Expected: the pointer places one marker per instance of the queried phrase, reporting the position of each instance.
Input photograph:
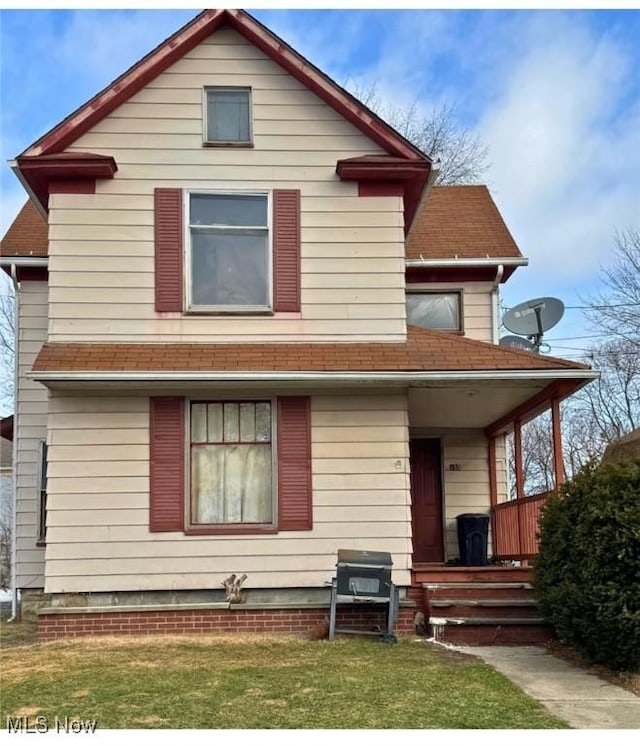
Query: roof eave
(489, 261)
(393, 377)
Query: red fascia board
(325, 88)
(534, 406)
(31, 274)
(41, 171)
(381, 170)
(69, 165)
(190, 36)
(130, 82)
(456, 274)
(414, 174)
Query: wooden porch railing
(515, 527)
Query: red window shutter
(286, 249)
(168, 249)
(294, 464)
(166, 508)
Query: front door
(426, 500)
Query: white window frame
(237, 528)
(41, 476)
(227, 309)
(420, 289)
(205, 114)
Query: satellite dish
(519, 343)
(533, 317)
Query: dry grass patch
(14, 634)
(264, 681)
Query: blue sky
(555, 95)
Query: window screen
(228, 115)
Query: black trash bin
(473, 539)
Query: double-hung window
(231, 446)
(229, 252)
(435, 310)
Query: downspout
(14, 517)
(495, 305)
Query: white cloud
(565, 159)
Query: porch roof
(423, 351)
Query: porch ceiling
(468, 404)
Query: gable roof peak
(188, 37)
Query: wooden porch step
(486, 574)
(475, 586)
(495, 621)
(491, 634)
(483, 602)
(478, 611)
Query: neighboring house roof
(462, 222)
(6, 427)
(188, 37)
(27, 235)
(424, 350)
(626, 447)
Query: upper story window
(229, 252)
(433, 310)
(227, 119)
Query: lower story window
(231, 463)
(42, 493)
(435, 310)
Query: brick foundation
(194, 621)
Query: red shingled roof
(460, 221)
(27, 235)
(424, 350)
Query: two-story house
(251, 332)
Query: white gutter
(510, 261)
(495, 305)
(14, 457)
(404, 377)
(24, 261)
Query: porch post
(493, 490)
(517, 448)
(558, 461)
(493, 477)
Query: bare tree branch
(461, 156)
(7, 346)
(615, 309)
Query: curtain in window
(232, 483)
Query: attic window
(430, 310)
(227, 120)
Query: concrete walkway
(571, 693)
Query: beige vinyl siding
(476, 306)
(466, 490)
(98, 535)
(101, 245)
(31, 428)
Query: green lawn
(260, 682)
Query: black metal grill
(363, 577)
